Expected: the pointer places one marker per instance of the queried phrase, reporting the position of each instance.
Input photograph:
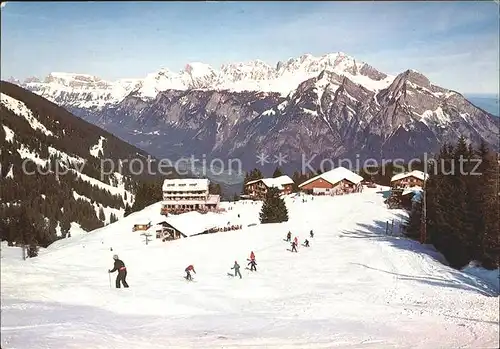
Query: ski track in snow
(353, 288)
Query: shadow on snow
(457, 279)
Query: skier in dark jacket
(122, 272)
(188, 272)
(294, 246)
(252, 265)
(289, 237)
(311, 233)
(236, 268)
(306, 243)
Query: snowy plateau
(354, 287)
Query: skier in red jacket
(188, 272)
(296, 240)
(252, 256)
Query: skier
(122, 272)
(252, 265)
(311, 233)
(188, 272)
(252, 256)
(294, 246)
(289, 237)
(236, 268)
(306, 243)
(296, 240)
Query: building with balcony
(337, 181)
(409, 179)
(257, 189)
(188, 194)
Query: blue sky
(455, 44)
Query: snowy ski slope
(353, 288)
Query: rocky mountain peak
(416, 77)
(372, 73)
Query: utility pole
(146, 235)
(423, 228)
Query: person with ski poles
(188, 272)
(252, 265)
(122, 272)
(236, 268)
(294, 246)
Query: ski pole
(109, 277)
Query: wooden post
(386, 227)
(392, 228)
(146, 235)
(423, 229)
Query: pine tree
(65, 225)
(413, 229)
(488, 194)
(102, 216)
(277, 173)
(32, 250)
(214, 189)
(112, 218)
(147, 194)
(128, 210)
(274, 208)
(297, 179)
(462, 208)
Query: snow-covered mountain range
(83, 90)
(327, 107)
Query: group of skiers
(122, 270)
(295, 241)
(252, 263)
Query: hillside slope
(354, 287)
(60, 169)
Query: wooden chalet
(409, 179)
(141, 226)
(257, 189)
(338, 181)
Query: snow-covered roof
(417, 174)
(277, 182)
(192, 223)
(213, 199)
(415, 190)
(156, 227)
(335, 176)
(186, 184)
